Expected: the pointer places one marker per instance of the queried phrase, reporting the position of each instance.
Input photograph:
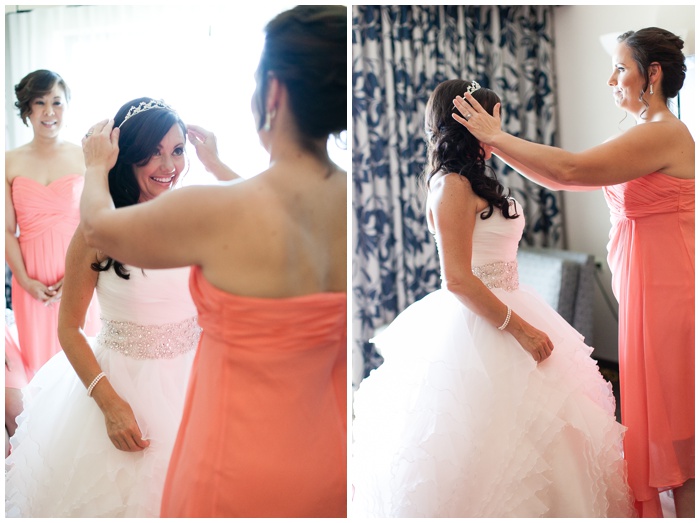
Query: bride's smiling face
(163, 169)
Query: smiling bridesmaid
(43, 183)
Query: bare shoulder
(450, 185)
(14, 159)
(73, 149)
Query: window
(199, 59)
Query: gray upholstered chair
(564, 279)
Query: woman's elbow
(459, 284)
(91, 232)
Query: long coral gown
(652, 258)
(264, 428)
(47, 216)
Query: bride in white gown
(488, 403)
(106, 453)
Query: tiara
(145, 106)
(473, 87)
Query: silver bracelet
(505, 323)
(94, 382)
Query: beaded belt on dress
(498, 275)
(149, 341)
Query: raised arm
(205, 144)
(166, 232)
(537, 177)
(80, 281)
(637, 152)
(454, 207)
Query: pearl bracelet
(505, 323)
(94, 382)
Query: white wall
(588, 116)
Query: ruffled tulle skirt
(62, 462)
(460, 421)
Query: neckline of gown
(20, 177)
(664, 175)
(197, 273)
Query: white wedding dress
(460, 421)
(62, 462)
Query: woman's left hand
(101, 145)
(477, 120)
(58, 289)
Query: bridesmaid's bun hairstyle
(453, 149)
(653, 44)
(306, 50)
(34, 85)
(139, 138)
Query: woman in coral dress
(264, 427)
(106, 453)
(648, 176)
(43, 183)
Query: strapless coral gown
(63, 464)
(652, 258)
(264, 428)
(47, 216)
(460, 421)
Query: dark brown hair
(306, 50)
(34, 85)
(139, 139)
(653, 44)
(453, 149)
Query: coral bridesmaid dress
(264, 428)
(47, 216)
(652, 258)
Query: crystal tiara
(145, 106)
(473, 87)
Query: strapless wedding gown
(460, 421)
(62, 462)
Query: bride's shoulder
(451, 183)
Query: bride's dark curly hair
(453, 149)
(139, 138)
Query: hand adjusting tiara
(473, 87)
(145, 106)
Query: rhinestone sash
(498, 275)
(149, 341)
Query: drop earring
(268, 119)
(651, 88)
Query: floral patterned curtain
(399, 55)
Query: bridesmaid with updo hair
(647, 174)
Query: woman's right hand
(38, 290)
(122, 428)
(101, 145)
(534, 341)
(478, 121)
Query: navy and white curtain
(399, 55)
